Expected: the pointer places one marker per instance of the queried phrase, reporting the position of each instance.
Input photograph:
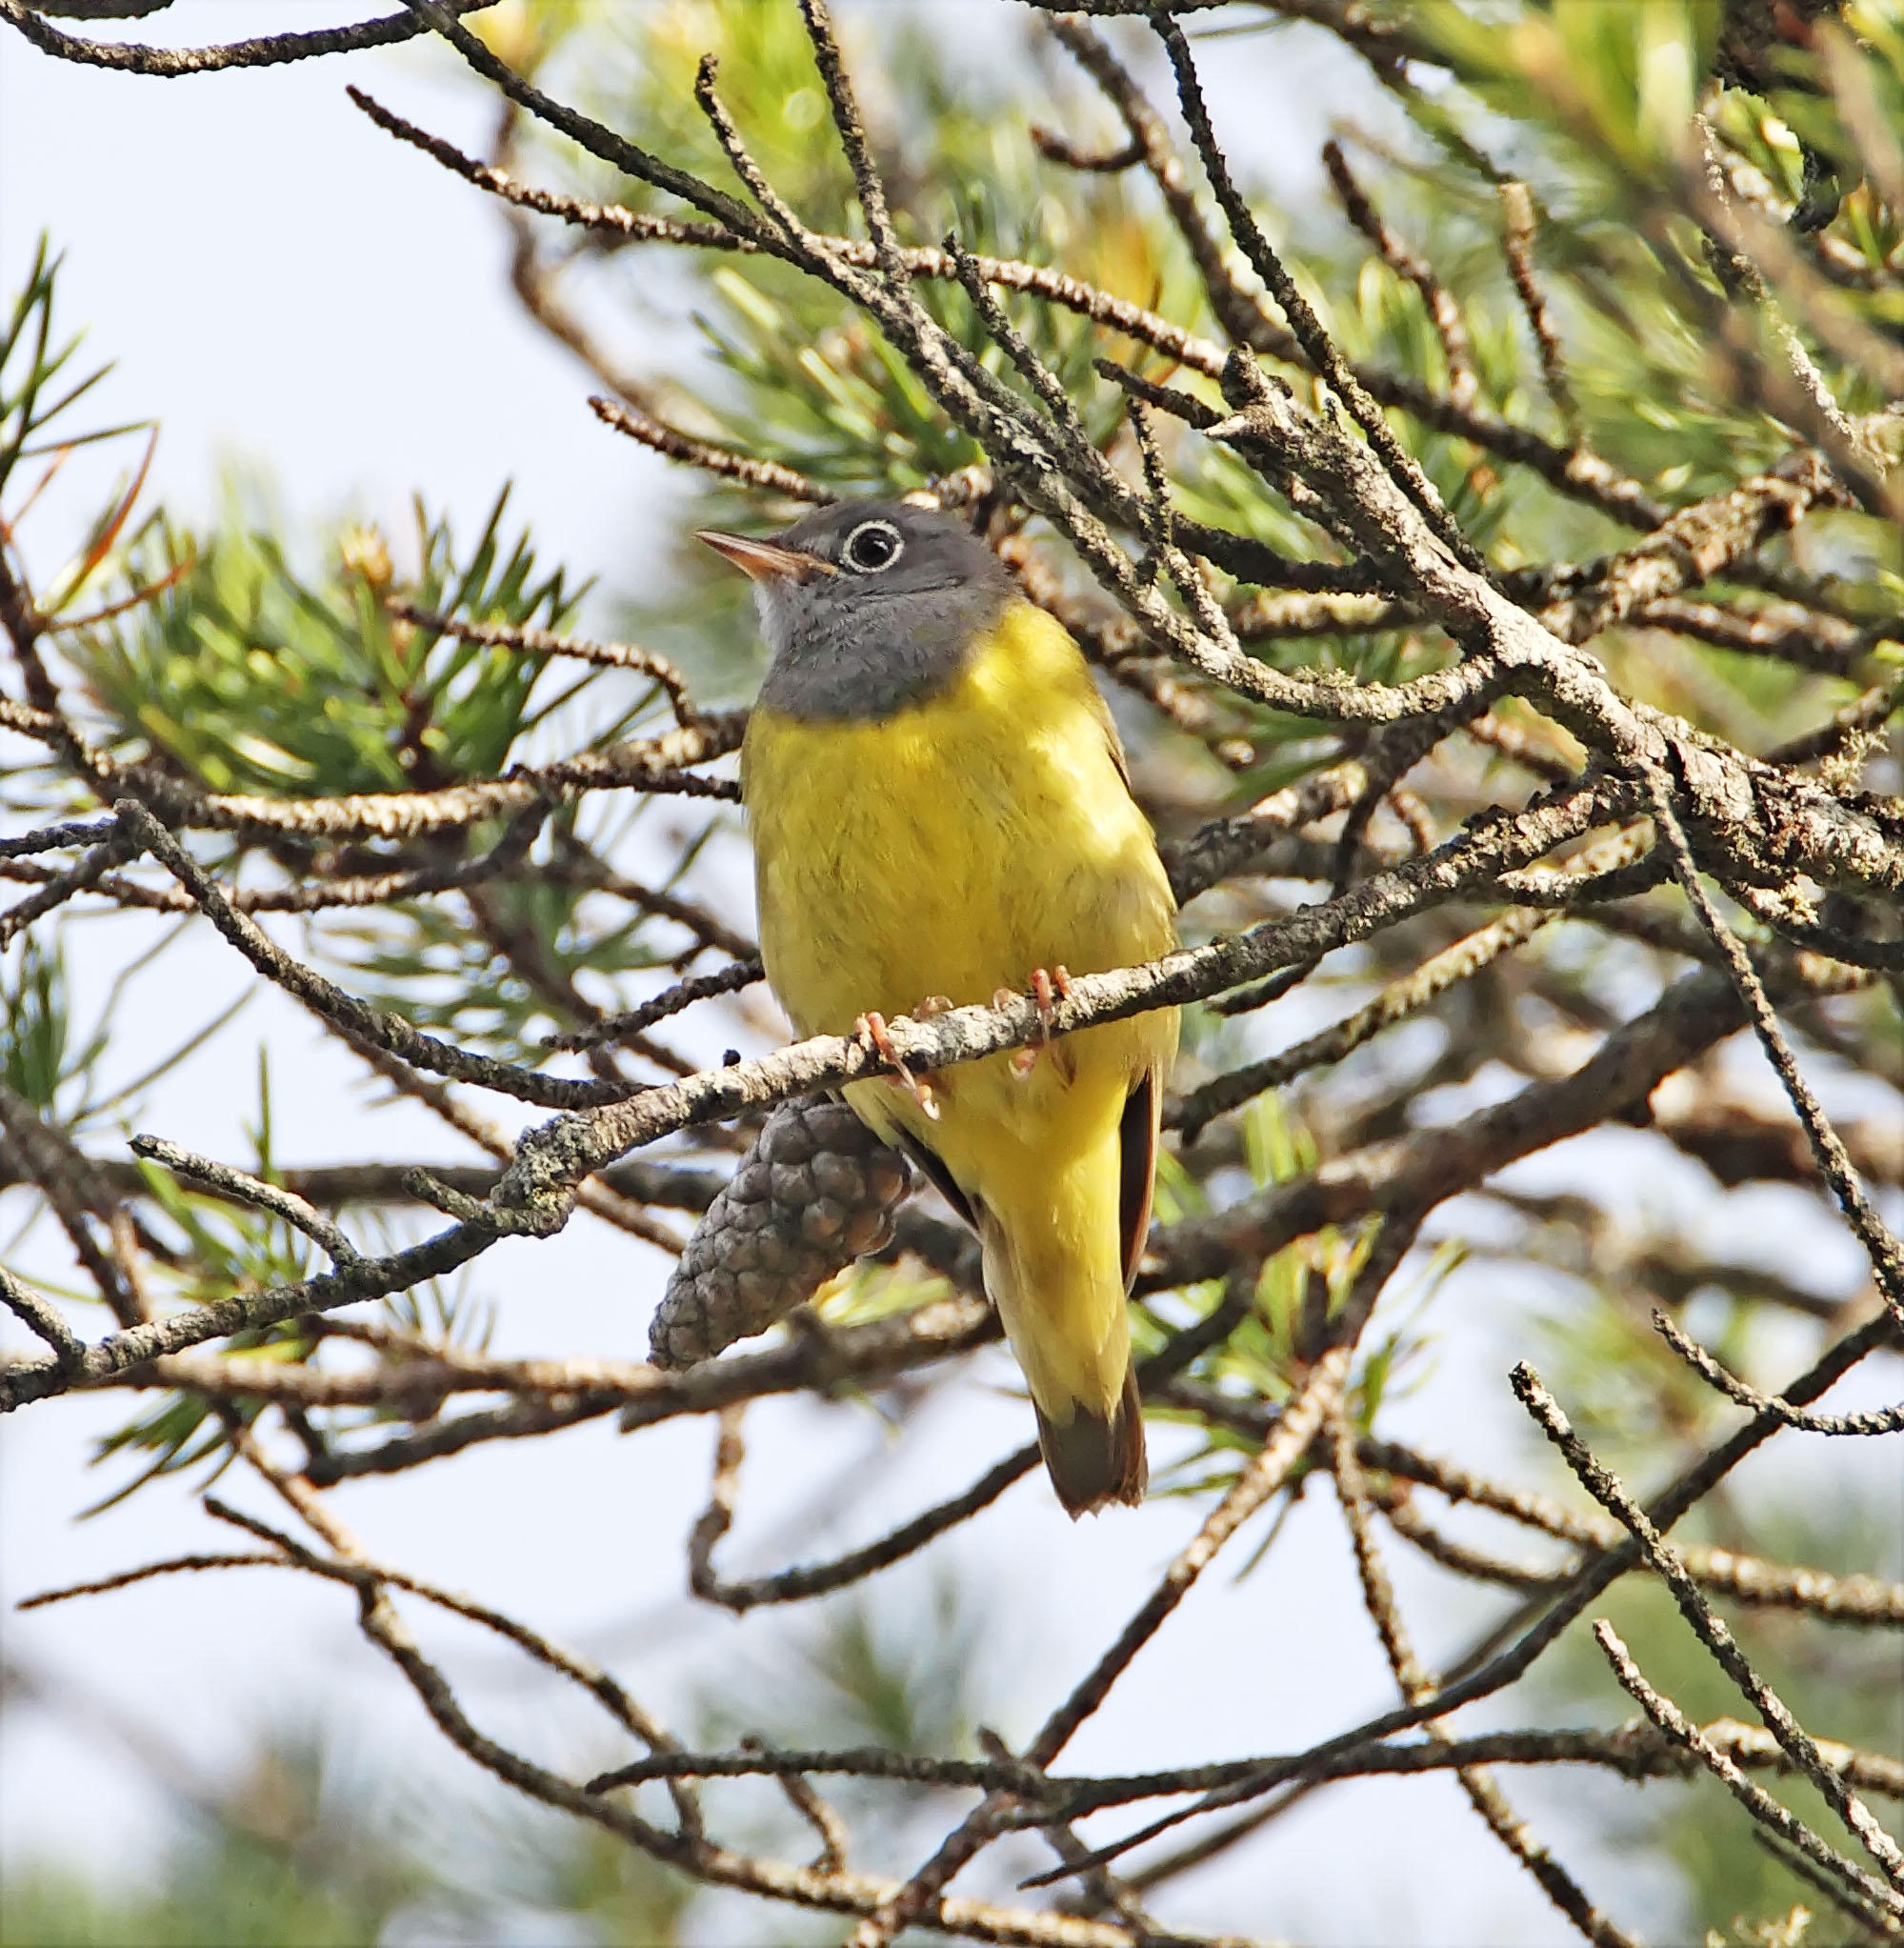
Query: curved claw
(1049, 986)
(878, 1037)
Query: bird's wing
(1108, 723)
(1138, 1166)
(933, 1169)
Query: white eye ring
(883, 530)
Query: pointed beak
(765, 561)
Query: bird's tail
(1093, 1461)
(1053, 1268)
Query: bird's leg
(932, 1006)
(1025, 1060)
(1045, 984)
(1049, 987)
(872, 1027)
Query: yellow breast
(952, 847)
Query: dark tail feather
(1093, 1461)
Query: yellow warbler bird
(940, 813)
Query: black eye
(872, 546)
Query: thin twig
(671, 1001)
(1706, 1625)
(833, 1835)
(1517, 249)
(769, 476)
(1507, 1665)
(1308, 327)
(271, 50)
(1884, 1420)
(250, 1189)
(1415, 1683)
(544, 642)
(1755, 1800)
(51, 838)
(796, 1585)
(1408, 264)
(1834, 1164)
(42, 1319)
(325, 999)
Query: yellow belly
(950, 850)
(955, 847)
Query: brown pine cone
(815, 1191)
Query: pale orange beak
(765, 561)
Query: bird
(941, 815)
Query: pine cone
(815, 1191)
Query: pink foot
(880, 1040)
(1049, 987)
